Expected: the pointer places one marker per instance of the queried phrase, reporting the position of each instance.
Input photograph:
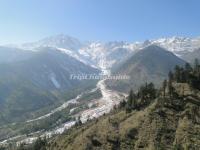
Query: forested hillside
(165, 118)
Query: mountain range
(36, 80)
(105, 54)
(151, 64)
(166, 118)
(46, 64)
(35, 77)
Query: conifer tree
(130, 98)
(164, 87)
(171, 76)
(151, 90)
(170, 88)
(129, 104)
(177, 73)
(122, 104)
(134, 101)
(188, 67)
(196, 64)
(188, 71)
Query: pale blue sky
(104, 20)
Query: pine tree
(177, 73)
(188, 68)
(188, 71)
(142, 95)
(164, 87)
(196, 64)
(129, 102)
(170, 88)
(171, 76)
(151, 91)
(197, 69)
(130, 98)
(182, 75)
(122, 104)
(40, 144)
(134, 101)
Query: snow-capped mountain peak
(109, 53)
(178, 44)
(61, 41)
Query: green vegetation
(27, 83)
(39, 144)
(165, 118)
(190, 75)
(10, 130)
(142, 98)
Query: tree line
(187, 74)
(140, 99)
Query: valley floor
(103, 105)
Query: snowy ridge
(60, 40)
(109, 53)
(178, 44)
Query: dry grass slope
(158, 126)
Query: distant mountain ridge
(36, 78)
(150, 119)
(150, 64)
(60, 41)
(48, 65)
(110, 53)
(38, 82)
(9, 55)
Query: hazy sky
(105, 20)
